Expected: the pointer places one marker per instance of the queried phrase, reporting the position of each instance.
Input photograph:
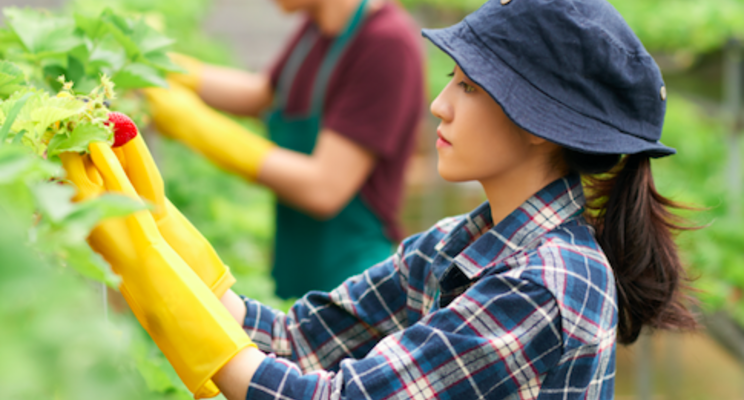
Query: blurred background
(699, 48)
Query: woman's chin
(450, 175)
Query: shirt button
(505, 2)
(663, 93)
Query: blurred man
(342, 103)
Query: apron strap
(329, 63)
(294, 62)
(299, 54)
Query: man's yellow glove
(180, 234)
(187, 322)
(191, 79)
(182, 115)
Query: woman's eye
(451, 74)
(468, 88)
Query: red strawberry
(124, 128)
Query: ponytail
(635, 228)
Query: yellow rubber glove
(194, 68)
(108, 238)
(180, 234)
(182, 115)
(187, 322)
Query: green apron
(312, 254)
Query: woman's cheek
(454, 166)
(445, 163)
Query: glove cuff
(194, 70)
(225, 282)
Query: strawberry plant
(57, 80)
(37, 125)
(61, 74)
(83, 47)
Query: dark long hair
(635, 227)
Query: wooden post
(644, 367)
(674, 370)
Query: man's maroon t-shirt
(375, 97)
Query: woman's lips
(441, 141)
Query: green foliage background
(54, 339)
(58, 343)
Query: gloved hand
(109, 238)
(182, 115)
(180, 234)
(187, 322)
(194, 68)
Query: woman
(342, 105)
(526, 296)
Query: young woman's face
(477, 141)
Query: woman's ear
(532, 139)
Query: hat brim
(529, 107)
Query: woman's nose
(441, 108)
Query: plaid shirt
(525, 309)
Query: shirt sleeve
(378, 98)
(322, 329)
(495, 340)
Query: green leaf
(8, 40)
(108, 55)
(121, 23)
(93, 27)
(161, 61)
(75, 69)
(121, 30)
(13, 164)
(42, 33)
(90, 264)
(10, 75)
(151, 369)
(149, 40)
(51, 73)
(17, 165)
(78, 140)
(52, 109)
(159, 375)
(19, 137)
(138, 75)
(87, 214)
(12, 115)
(54, 200)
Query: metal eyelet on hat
(663, 93)
(505, 2)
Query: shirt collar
(475, 244)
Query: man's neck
(332, 16)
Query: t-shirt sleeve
(378, 97)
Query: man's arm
(323, 182)
(235, 91)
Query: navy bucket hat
(569, 71)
